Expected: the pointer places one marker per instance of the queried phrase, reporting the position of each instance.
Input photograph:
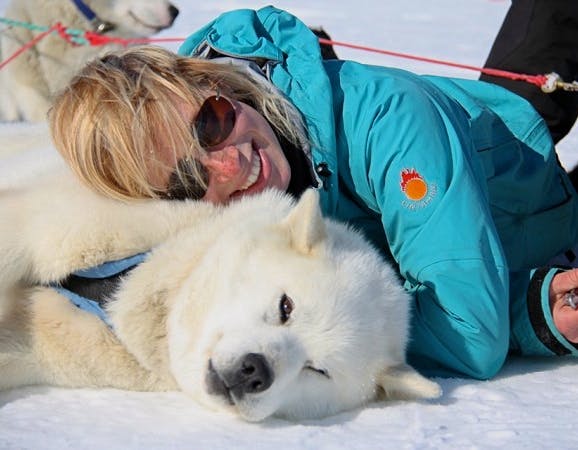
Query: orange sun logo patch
(413, 185)
(416, 189)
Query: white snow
(529, 405)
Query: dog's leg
(45, 339)
(17, 363)
(23, 80)
(73, 348)
(8, 109)
(57, 226)
(35, 107)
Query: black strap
(99, 290)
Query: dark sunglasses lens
(184, 183)
(215, 121)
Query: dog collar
(98, 25)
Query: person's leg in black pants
(539, 37)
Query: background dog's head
(135, 18)
(300, 317)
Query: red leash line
(96, 39)
(28, 45)
(151, 40)
(538, 80)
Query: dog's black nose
(252, 374)
(174, 12)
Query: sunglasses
(213, 125)
(215, 121)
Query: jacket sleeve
(413, 164)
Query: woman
(455, 180)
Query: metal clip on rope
(553, 82)
(101, 26)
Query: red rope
(61, 30)
(28, 45)
(96, 39)
(538, 80)
(150, 40)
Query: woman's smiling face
(248, 161)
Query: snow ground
(530, 405)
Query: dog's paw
(404, 383)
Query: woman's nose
(224, 164)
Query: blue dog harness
(91, 289)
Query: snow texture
(529, 405)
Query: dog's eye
(286, 306)
(321, 372)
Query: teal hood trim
(288, 53)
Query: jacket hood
(289, 55)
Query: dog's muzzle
(250, 374)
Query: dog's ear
(305, 223)
(402, 382)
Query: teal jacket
(457, 180)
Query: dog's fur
(262, 307)
(28, 82)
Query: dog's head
(135, 18)
(300, 318)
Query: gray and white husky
(28, 82)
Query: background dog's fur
(28, 82)
(177, 309)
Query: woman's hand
(565, 317)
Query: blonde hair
(113, 114)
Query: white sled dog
(262, 307)
(28, 82)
